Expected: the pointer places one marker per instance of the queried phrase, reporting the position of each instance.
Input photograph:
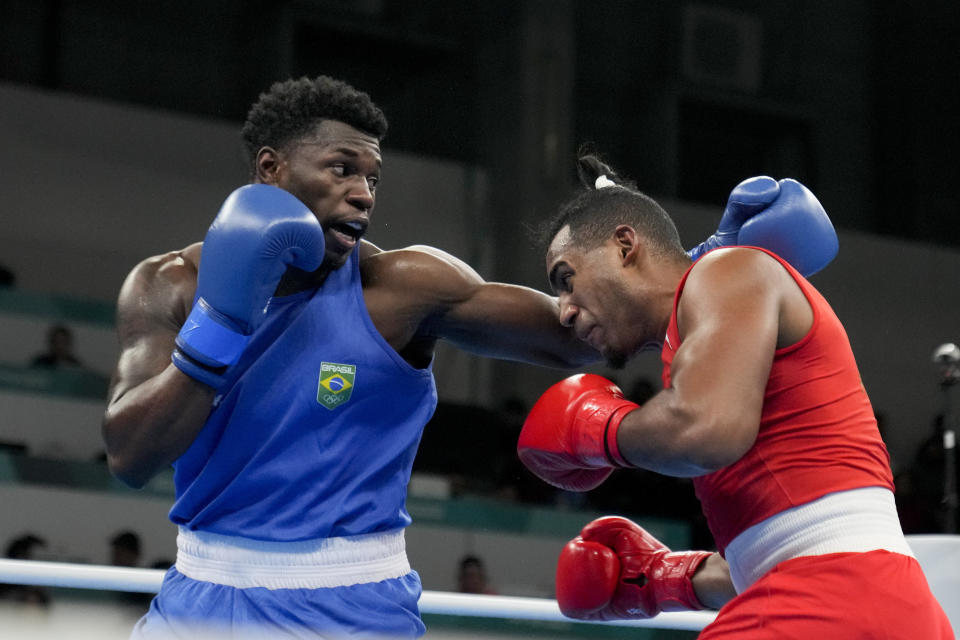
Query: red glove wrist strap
(610, 446)
(676, 590)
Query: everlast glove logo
(336, 384)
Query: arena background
(120, 120)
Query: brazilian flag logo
(336, 384)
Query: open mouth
(348, 233)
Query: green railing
(77, 383)
(64, 382)
(54, 307)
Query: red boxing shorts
(854, 596)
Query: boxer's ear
(268, 165)
(628, 244)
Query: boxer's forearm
(149, 426)
(712, 582)
(670, 436)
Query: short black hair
(292, 108)
(593, 214)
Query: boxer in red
(762, 406)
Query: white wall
(94, 187)
(55, 427)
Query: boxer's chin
(333, 260)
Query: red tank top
(818, 433)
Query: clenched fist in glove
(615, 570)
(569, 439)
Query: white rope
(462, 604)
(80, 576)
(83, 576)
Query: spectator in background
(59, 356)
(472, 576)
(8, 278)
(125, 549)
(920, 496)
(125, 552)
(22, 548)
(59, 353)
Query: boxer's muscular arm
(157, 408)
(154, 411)
(503, 321)
(436, 296)
(729, 320)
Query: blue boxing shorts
(230, 587)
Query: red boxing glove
(651, 577)
(570, 437)
(588, 574)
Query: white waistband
(847, 521)
(310, 564)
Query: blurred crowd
(124, 550)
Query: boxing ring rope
(83, 576)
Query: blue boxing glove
(747, 199)
(783, 217)
(795, 227)
(259, 232)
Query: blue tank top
(315, 432)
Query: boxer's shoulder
(171, 266)
(403, 289)
(735, 266)
(164, 283)
(743, 278)
(735, 257)
(419, 272)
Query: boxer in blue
(283, 368)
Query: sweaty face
(334, 170)
(595, 300)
